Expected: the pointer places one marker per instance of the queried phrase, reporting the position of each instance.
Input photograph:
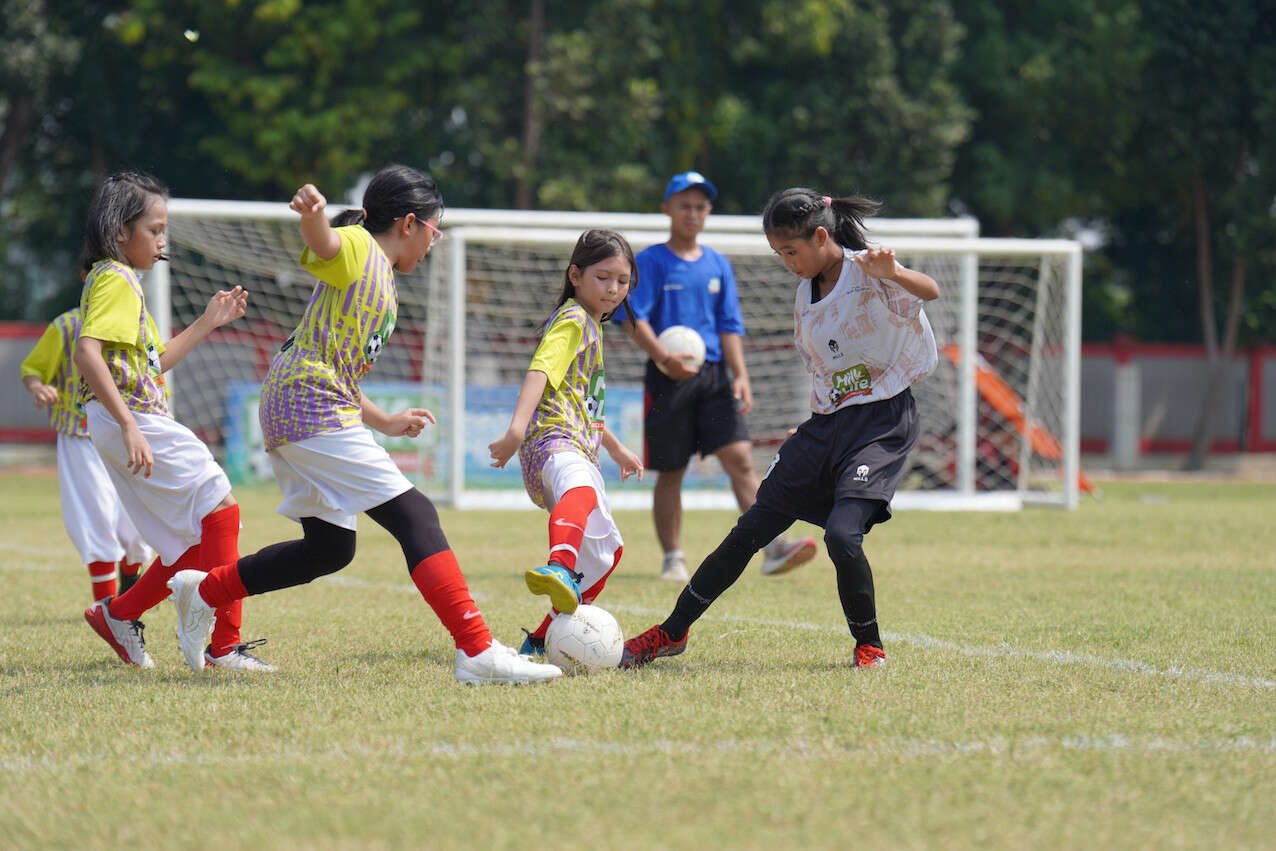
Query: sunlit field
(1104, 678)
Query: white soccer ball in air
(589, 639)
(681, 340)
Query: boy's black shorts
(858, 451)
(695, 415)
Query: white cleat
(501, 664)
(194, 616)
(125, 637)
(782, 555)
(238, 658)
(674, 569)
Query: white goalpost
(1000, 415)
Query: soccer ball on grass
(589, 639)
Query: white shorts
(91, 512)
(185, 485)
(564, 471)
(336, 476)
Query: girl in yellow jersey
(173, 490)
(313, 416)
(559, 425)
(96, 524)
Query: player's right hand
(308, 201)
(42, 395)
(138, 452)
(678, 367)
(503, 448)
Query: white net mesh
(510, 287)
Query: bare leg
(666, 508)
(737, 460)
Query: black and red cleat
(868, 656)
(651, 645)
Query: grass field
(1101, 679)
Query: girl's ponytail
(348, 217)
(796, 213)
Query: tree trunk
(16, 129)
(531, 106)
(1216, 391)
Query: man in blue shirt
(681, 282)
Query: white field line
(788, 749)
(1058, 657)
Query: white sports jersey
(867, 340)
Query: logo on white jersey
(836, 350)
(861, 473)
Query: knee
(331, 554)
(843, 542)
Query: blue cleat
(559, 583)
(532, 646)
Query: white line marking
(788, 749)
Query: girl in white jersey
(174, 492)
(861, 331)
(558, 426)
(313, 416)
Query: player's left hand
(743, 392)
(629, 463)
(503, 448)
(409, 423)
(226, 307)
(878, 262)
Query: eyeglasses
(438, 237)
(438, 234)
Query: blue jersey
(700, 294)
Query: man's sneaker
(194, 616)
(125, 637)
(674, 569)
(501, 664)
(238, 658)
(532, 646)
(782, 555)
(558, 582)
(868, 656)
(652, 644)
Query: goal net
(1000, 415)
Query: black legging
(325, 548)
(844, 532)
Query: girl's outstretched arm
(529, 396)
(223, 308)
(315, 229)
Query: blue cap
(689, 180)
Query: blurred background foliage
(1144, 128)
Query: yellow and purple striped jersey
(113, 310)
(570, 415)
(313, 383)
(52, 361)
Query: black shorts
(695, 415)
(858, 451)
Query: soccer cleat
(558, 582)
(651, 645)
(194, 616)
(238, 658)
(868, 656)
(674, 569)
(501, 664)
(782, 555)
(532, 646)
(125, 637)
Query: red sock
(540, 631)
(102, 575)
(567, 525)
(128, 568)
(151, 588)
(219, 545)
(590, 594)
(441, 583)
